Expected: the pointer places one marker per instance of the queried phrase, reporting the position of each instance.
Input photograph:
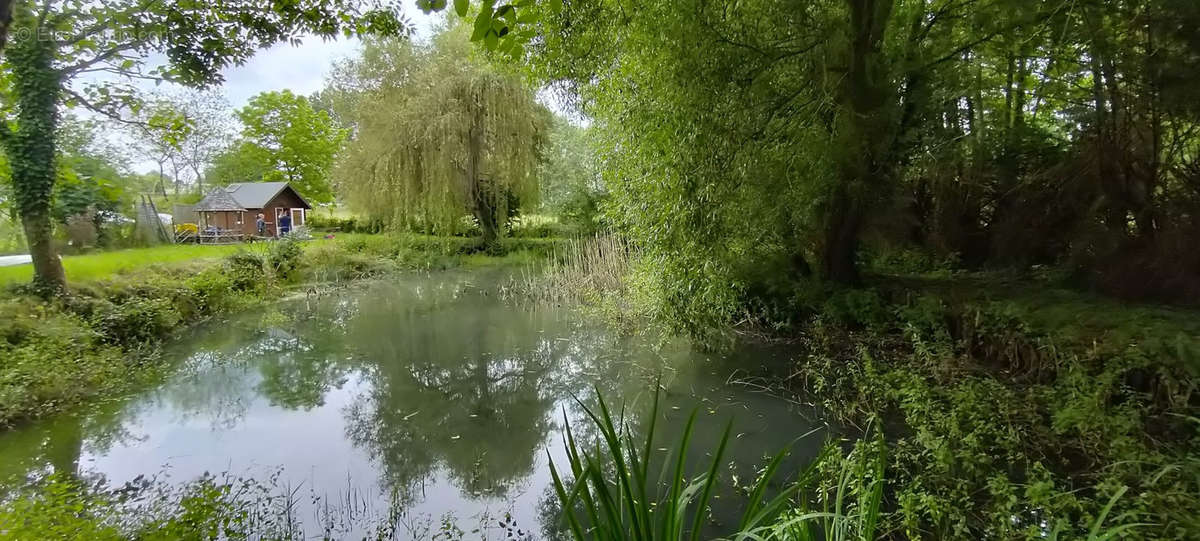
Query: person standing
(261, 225)
(285, 224)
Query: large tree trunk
(48, 274)
(485, 212)
(839, 262)
(31, 151)
(864, 134)
(483, 201)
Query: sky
(303, 69)
(300, 69)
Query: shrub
(245, 271)
(211, 290)
(344, 225)
(859, 307)
(49, 359)
(61, 507)
(335, 262)
(284, 257)
(1016, 419)
(136, 321)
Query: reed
(607, 493)
(582, 269)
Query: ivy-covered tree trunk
(31, 152)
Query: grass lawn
(105, 264)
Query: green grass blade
(869, 514)
(672, 525)
(1095, 533)
(751, 515)
(578, 471)
(710, 481)
(625, 478)
(567, 501)
(643, 469)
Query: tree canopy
(811, 136)
(440, 132)
(283, 138)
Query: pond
(431, 394)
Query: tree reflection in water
(425, 381)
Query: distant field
(105, 264)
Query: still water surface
(432, 393)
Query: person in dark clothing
(261, 224)
(285, 224)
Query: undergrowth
(1022, 417)
(1013, 409)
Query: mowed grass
(106, 264)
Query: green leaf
(506, 44)
(460, 7)
(483, 23)
(517, 52)
(491, 40)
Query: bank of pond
(404, 387)
(417, 398)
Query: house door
(279, 213)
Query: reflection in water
(430, 393)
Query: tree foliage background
(56, 43)
(284, 138)
(752, 146)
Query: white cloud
(301, 69)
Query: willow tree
(441, 132)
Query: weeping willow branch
(449, 136)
